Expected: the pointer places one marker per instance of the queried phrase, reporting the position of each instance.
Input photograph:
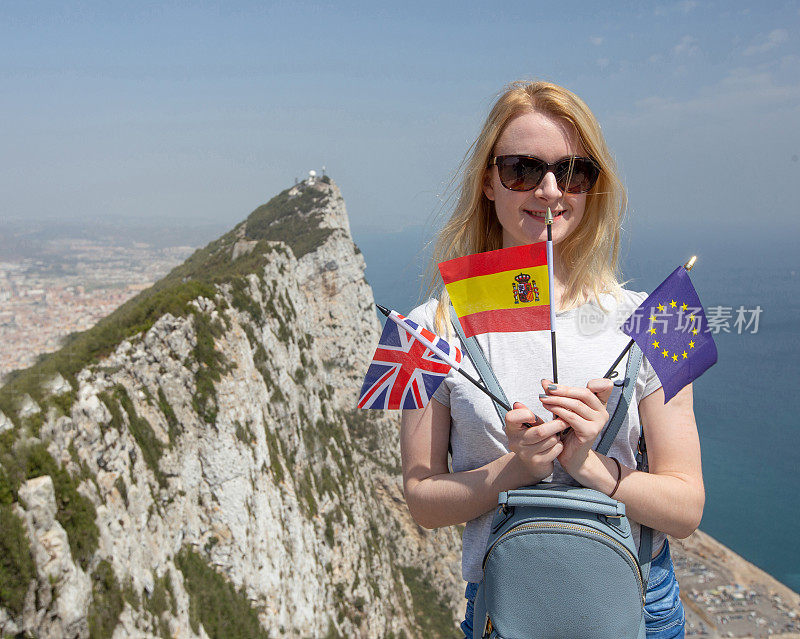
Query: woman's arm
(670, 497)
(437, 497)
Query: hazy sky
(197, 111)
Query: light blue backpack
(561, 562)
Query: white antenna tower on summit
(312, 176)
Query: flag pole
(549, 221)
(425, 342)
(610, 372)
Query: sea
(747, 406)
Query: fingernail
(552, 386)
(543, 396)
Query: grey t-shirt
(588, 341)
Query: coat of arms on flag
(500, 291)
(671, 328)
(405, 372)
(524, 289)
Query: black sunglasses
(525, 172)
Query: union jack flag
(405, 370)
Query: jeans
(663, 611)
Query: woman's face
(521, 213)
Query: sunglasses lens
(577, 176)
(520, 173)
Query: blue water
(747, 405)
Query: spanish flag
(501, 291)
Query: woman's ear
(488, 189)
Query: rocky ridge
(221, 473)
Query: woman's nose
(548, 188)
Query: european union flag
(670, 327)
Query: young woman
(541, 147)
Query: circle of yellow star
(675, 357)
(672, 303)
(652, 331)
(665, 352)
(655, 344)
(660, 307)
(685, 355)
(694, 332)
(691, 344)
(684, 307)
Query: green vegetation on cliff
(431, 612)
(107, 602)
(169, 414)
(16, 564)
(80, 349)
(291, 219)
(139, 427)
(160, 601)
(211, 366)
(74, 512)
(224, 611)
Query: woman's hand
(582, 409)
(535, 447)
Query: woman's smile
(542, 214)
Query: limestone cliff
(194, 467)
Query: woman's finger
(542, 431)
(519, 415)
(575, 405)
(583, 394)
(544, 445)
(539, 452)
(580, 425)
(601, 388)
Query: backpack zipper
(616, 545)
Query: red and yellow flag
(501, 291)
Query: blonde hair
(590, 252)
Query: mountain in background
(193, 465)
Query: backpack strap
(620, 400)
(618, 404)
(621, 396)
(485, 373)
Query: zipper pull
(504, 513)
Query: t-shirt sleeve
(423, 315)
(651, 381)
(442, 394)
